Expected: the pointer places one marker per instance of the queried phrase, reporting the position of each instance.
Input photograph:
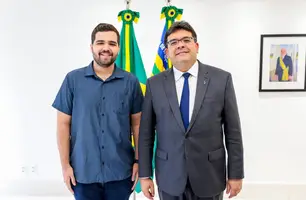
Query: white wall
(42, 40)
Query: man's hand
(135, 175)
(147, 187)
(69, 177)
(233, 187)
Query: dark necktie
(184, 107)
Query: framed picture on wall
(282, 63)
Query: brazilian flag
(129, 57)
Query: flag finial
(128, 2)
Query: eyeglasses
(185, 40)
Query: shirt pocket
(120, 103)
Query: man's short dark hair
(104, 27)
(179, 25)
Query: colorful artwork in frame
(282, 63)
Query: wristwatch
(135, 161)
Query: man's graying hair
(179, 25)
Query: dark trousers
(115, 190)
(187, 195)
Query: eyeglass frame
(181, 40)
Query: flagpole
(134, 195)
(128, 2)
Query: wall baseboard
(250, 191)
(275, 191)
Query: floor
(139, 198)
(56, 191)
(67, 198)
(263, 196)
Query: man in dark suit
(284, 67)
(192, 107)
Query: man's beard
(104, 62)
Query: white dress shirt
(192, 81)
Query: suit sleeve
(277, 67)
(232, 132)
(146, 135)
(290, 66)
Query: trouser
(187, 195)
(115, 190)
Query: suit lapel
(170, 89)
(202, 84)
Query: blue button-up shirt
(100, 146)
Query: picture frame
(282, 63)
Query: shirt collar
(118, 73)
(193, 71)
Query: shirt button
(103, 98)
(102, 147)
(102, 163)
(103, 114)
(102, 131)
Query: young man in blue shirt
(98, 107)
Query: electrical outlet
(24, 169)
(34, 169)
